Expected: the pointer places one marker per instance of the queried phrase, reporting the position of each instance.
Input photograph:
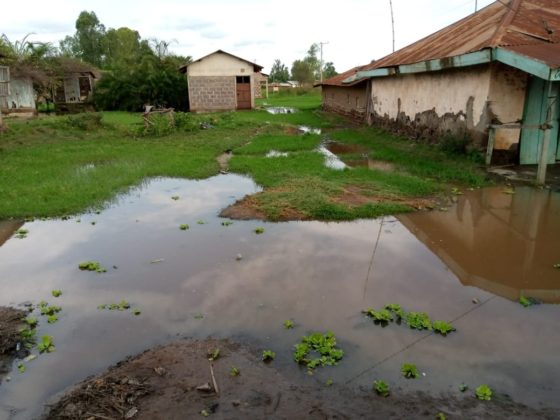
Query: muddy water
(321, 275)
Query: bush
(455, 144)
(86, 121)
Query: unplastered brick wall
(212, 93)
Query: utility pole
(475, 6)
(321, 62)
(392, 23)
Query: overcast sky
(357, 31)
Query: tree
(279, 72)
(302, 72)
(329, 70)
(123, 46)
(87, 42)
(312, 60)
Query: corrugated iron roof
(257, 67)
(337, 80)
(533, 24)
(548, 54)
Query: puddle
(332, 161)
(280, 110)
(506, 244)
(305, 130)
(369, 163)
(276, 153)
(342, 148)
(321, 275)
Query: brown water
(319, 274)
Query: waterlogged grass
(58, 166)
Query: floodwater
(308, 130)
(332, 161)
(280, 110)
(490, 247)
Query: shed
(221, 81)
(17, 96)
(74, 81)
(493, 76)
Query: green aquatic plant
(51, 319)
(32, 321)
(329, 382)
(46, 344)
(21, 367)
(288, 324)
(227, 223)
(214, 354)
(396, 309)
(21, 233)
(28, 337)
(136, 312)
(234, 371)
(409, 371)
(50, 310)
(440, 416)
(259, 230)
(418, 320)
(200, 222)
(268, 355)
(184, 227)
(463, 387)
(175, 197)
(381, 388)
(322, 345)
(483, 392)
(198, 316)
(56, 293)
(92, 266)
(382, 316)
(442, 327)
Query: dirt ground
(162, 384)
(10, 324)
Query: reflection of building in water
(7, 229)
(505, 244)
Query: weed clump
(92, 266)
(418, 321)
(382, 316)
(86, 121)
(268, 355)
(322, 345)
(259, 230)
(46, 345)
(483, 393)
(288, 324)
(442, 327)
(184, 226)
(528, 301)
(381, 388)
(409, 371)
(21, 233)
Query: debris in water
(475, 301)
(239, 257)
(131, 413)
(204, 387)
(227, 223)
(92, 266)
(175, 197)
(21, 233)
(157, 260)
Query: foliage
(329, 382)
(227, 223)
(56, 293)
(86, 121)
(324, 345)
(21, 233)
(526, 302)
(288, 324)
(87, 43)
(234, 371)
(440, 416)
(483, 392)
(463, 387)
(381, 316)
(268, 355)
(396, 309)
(31, 321)
(28, 337)
(21, 368)
(259, 230)
(329, 70)
(214, 354)
(51, 319)
(136, 311)
(47, 309)
(418, 320)
(442, 327)
(184, 226)
(302, 72)
(46, 344)
(279, 72)
(92, 266)
(409, 371)
(381, 388)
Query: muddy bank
(162, 383)
(10, 324)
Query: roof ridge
(513, 7)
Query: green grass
(53, 166)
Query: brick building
(221, 82)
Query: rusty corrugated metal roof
(337, 80)
(531, 23)
(548, 54)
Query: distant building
(221, 82)
(493, 77)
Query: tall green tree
(279, 72)
(122, 46)
(313, 61)
(329, 70)
(87, 43)
(302, 72)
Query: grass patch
(55, 166)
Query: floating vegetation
(213, 354)
(46, 345)
(184, 227)
(51, 319)
(288, 324)
(409, 371)
(198, 316)
(528, 301)
(227, 223)
(259, 230)
(32, 321)
(329, 382)
(47, 309)
(21, 367)
(28, 337)
(123, 305)
(200, 222)
(442, 327)
(383, 316)
(418, 321)
(322, 345)
(396, 309)
(463, 387)
(268, 355)
(21, 233)
(381, 388)
(234, 371)
(56, 293)
(136, 311)
(483, 393)
(175, 197)
(92, 266)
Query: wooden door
(243, 87)
(536, 108)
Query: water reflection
(506, 244)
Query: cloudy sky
(357, 31)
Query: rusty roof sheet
(337, 80)
(503, 23)
(548, 54)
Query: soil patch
(343, 148)
(371, 164)
(248, 209)
(223, 160)
(10, 324)
(162, 384)
(354, 196)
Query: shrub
(87, 121)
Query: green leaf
(56, 293)
(288, 324)
(234, 371)
(409, 371)
(381, 388)
(46, 344)
(268, 355)
(483, 392)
